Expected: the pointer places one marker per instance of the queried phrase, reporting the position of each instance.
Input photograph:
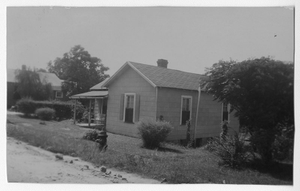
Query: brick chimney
(162, 63)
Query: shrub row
(63, 110)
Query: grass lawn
(174, 163)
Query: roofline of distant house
(62, 81)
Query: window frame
(190, 107)
(125, 104)
(228, 111)
(59, 96)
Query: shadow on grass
(279, 170)
(165, 149)
(32, 116)
(283, 171)
(28, 116)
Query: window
(225, 112)
(59, 94)
(129, 108)
(186, 109)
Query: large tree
(30, 85)
(79, 69)
(260, 91)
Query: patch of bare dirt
(26, 163)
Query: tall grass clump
(153, 133)
(45, 113)
(232, 149)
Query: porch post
(90, 112)
(96, 110)
(75, 105)
(101, 105)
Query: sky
(190, 38)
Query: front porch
(96, 111)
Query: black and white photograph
(150, 95)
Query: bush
(92, 135)
(45, 113)
(153, 133)
(85, 116)
(283, 145)
(80, 110)
(26, 106)
(232, 150)
(62, 109)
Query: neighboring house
(97, 97)
(139, 91)
(56, 84)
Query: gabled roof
(50, 78)
(99, 86)
(44, 77)
(161, 77)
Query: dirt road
(29, 164)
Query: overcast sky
(191, 39)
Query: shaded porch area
(97, 108)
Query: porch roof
(90, 95)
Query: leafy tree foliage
(261, 93)
(30, 85)
(79, 70)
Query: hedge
(63, 110)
